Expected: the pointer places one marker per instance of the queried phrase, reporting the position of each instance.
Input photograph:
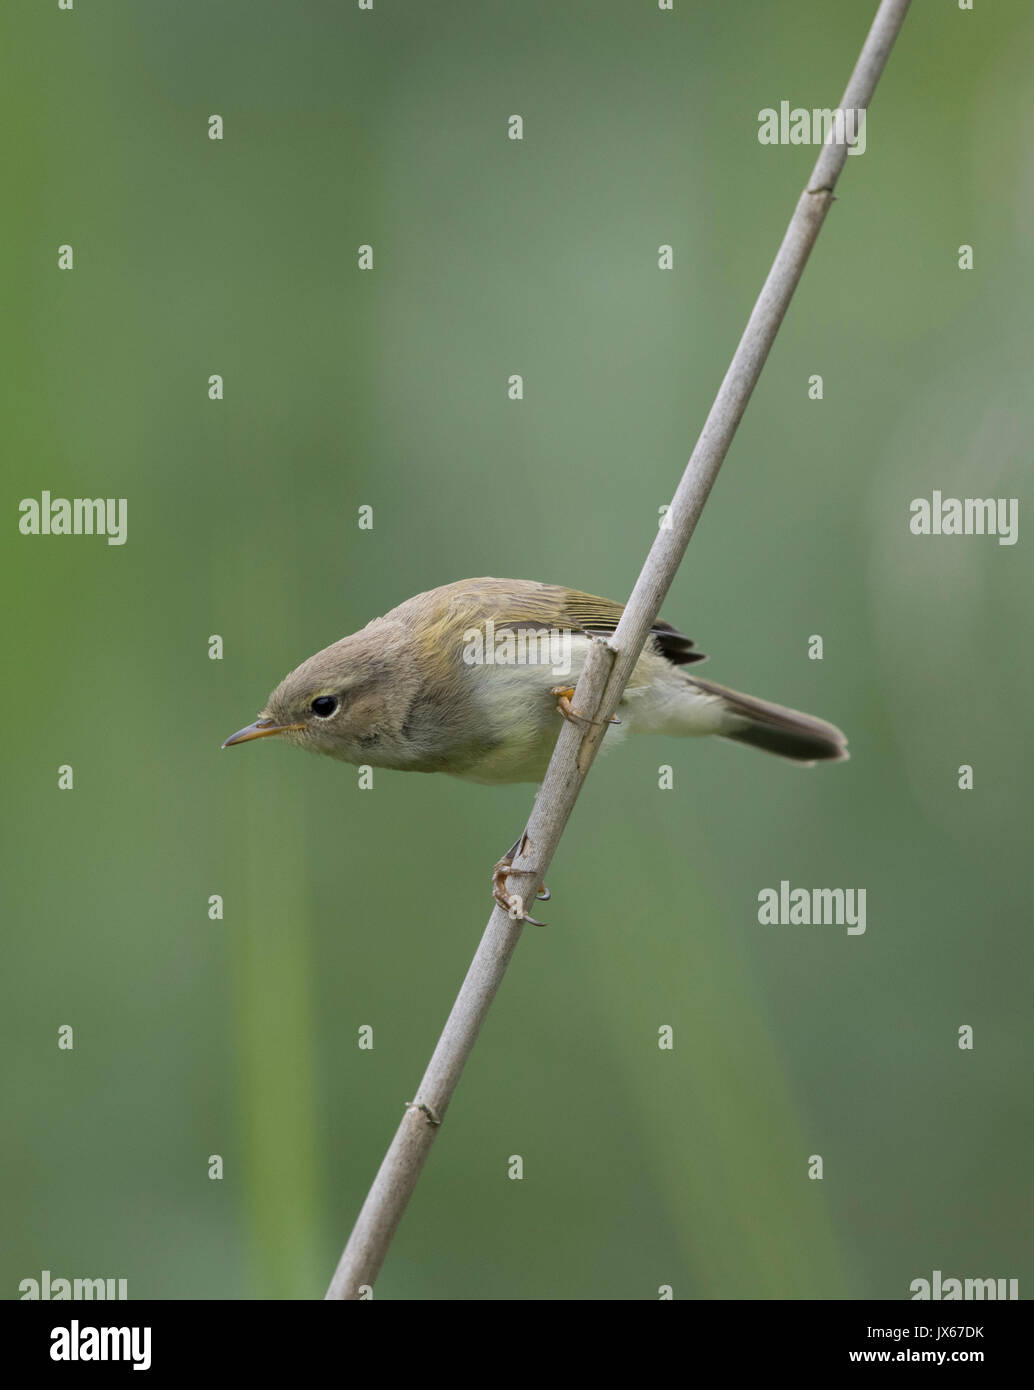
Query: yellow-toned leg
(564, 707)
(513, 903)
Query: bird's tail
(775, 728)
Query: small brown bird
(468, 678)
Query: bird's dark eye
(324, 705)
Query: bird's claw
(513, 903)
(564, 707)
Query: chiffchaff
(466, 679)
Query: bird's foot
(513, 903)
(564, 707)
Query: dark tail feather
(777, 729)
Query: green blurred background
(388, 388)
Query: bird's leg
(563, 695)
(564, 707)
(512, 902)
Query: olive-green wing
(550, 605)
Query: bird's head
(334, 703)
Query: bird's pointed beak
(262, 728)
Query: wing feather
(551, 605)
